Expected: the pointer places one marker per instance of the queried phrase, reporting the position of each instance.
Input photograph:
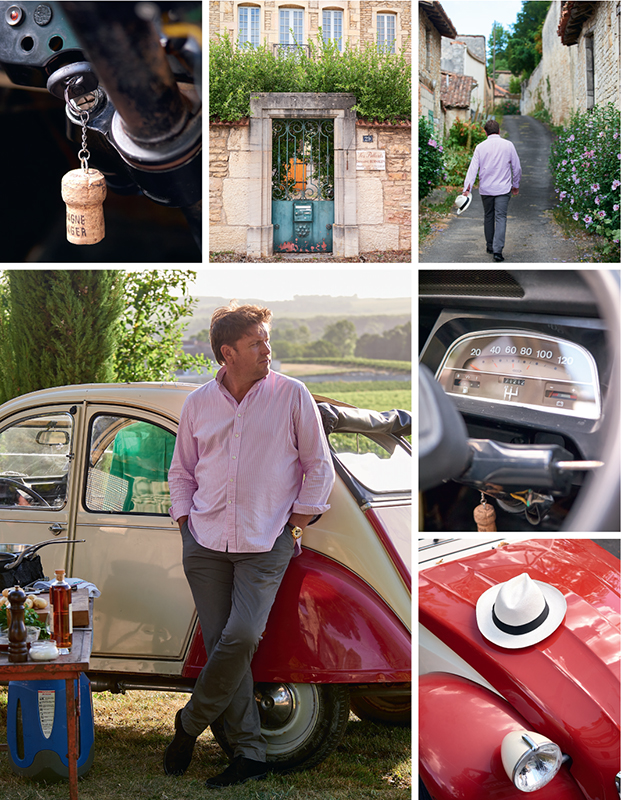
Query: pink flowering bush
(585, 161)
(430, 159)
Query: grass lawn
(131, 734)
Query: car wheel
(302, 722)
(393, 710)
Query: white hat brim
(466, 204)
(558, 608)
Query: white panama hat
(462, 202)
(520, 612)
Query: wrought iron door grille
(303, 159)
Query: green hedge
(380, 80)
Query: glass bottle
(18, 646)
(62, 618)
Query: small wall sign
(370, 159)
(367, 138)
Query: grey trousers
(495, 225)
(233, 594)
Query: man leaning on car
(251, 469)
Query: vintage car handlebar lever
(513, 467)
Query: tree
(291, 333)
(524, 47)
(342, 335)
(150, 346)
(58, 327)
(283, 348)
(393, 345)
(321, 349)
(502, 39)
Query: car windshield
(36, 447)
(380, 466)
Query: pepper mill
(18, 645)
(84, 191)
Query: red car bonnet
(566, 687)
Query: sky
(476, 17)
(285, 283)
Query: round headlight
(530, 760)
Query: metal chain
(84, 154)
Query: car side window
(35, 457)
(381, 466)
(128, 466)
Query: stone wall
(429, 55)
(559, 82)
(383, 197)
(228, 200)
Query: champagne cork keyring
(84, 191)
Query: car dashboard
(524, 357)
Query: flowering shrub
(585, 161)
(465, 134)
(430, 159)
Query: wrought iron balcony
(286, 49)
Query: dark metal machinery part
(132, 67)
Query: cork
(485, 517)
(84, 192)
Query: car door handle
(56, 528)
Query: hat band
(518, 630)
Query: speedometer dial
(524, 369)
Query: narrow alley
(532, 235)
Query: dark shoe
(498, 257)
(238, 771)
(179, 752)
(489, 250)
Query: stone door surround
(266, 106)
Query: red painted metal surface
(566, 687)
(462, 727)
(327, 626)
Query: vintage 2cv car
(514, 698)
(90, 462)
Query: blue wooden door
(303, 185)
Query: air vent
(469, 283)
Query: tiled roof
(499, 91)
(573, 16)
(456, 90)
(439, 17)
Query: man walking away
(497, 162)
(251, 469)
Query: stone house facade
(465, 55)
(579, 67)
(356, 21)
(433, 24)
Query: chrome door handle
(56, 528)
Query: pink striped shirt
(240, 470)
(498, 164)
